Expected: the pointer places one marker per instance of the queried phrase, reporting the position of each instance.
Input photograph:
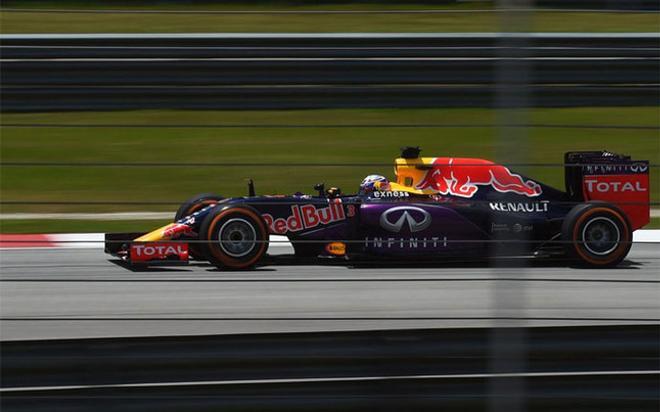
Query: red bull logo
(462, 177)
(175, 229)
(304, 217)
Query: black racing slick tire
(195, 204)
(596, 235)
(191, 206)
(235, 237)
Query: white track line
(89, 216)
(646, 236)
(329, 380)
(311, 59)
(278, 245)
(386, 48)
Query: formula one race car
(437, 209)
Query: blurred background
(82, 114)
(115, 112)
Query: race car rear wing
(613, 178)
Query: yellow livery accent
(336, 248)
(410, 172)
(159, 234)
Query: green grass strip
(359, 147)
(476, 17)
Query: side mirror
(333, 192)
(320, 187)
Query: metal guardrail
(27, 99)
(293, 71)
(602, 4)
(607, 392)
(596, 367)
(329, 72)
(290, 45)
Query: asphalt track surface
(61, 293)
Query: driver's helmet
(374, 182)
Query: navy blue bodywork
(402, 225)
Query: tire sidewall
(573, 229)
(210, 234)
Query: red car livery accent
(305, 217)
(461, 177)
(150, 251)
(176, 229)
(628, 191)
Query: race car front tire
(191, 206)
(234, 237)
(195, 204)
(597, 235)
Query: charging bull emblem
(462, 177)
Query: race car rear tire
(235, 237)
(597, 235)
(191, 206)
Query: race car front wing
(145, 253)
